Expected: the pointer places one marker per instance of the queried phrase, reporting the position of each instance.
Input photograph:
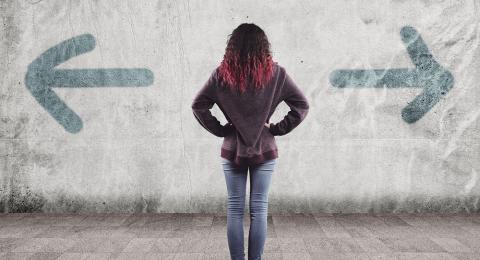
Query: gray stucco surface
(141, 150)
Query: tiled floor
(203, 236)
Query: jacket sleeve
(201, 105)
(298, 104)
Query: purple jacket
(247, 141)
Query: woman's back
(247, 141)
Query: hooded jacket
(247, 141)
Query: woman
(247, 87)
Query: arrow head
(436, 86)
(39, 79)
(435, 79)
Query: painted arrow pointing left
(41, 77)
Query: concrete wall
(138, 148)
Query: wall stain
(13, 127)
(63, 203)
(386, 204)
(23, 200)
(16, 190)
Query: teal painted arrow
(435, 80)
(41, 77)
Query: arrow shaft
(81, 78)
(391, 78)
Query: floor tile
(204, 236)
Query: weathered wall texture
(138, 148)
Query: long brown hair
(247, 56)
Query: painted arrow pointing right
(435, 80)
(42, 76)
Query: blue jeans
(236, 179)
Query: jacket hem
(241, 160)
